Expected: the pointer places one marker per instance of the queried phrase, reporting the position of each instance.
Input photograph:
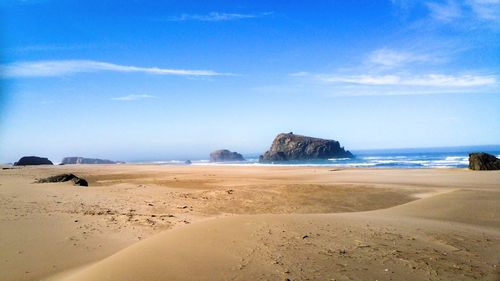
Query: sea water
(389, 158)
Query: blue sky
(177, 79)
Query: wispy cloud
(393, 58)
(370, 84)
(468, 13)
(134, 97)
(428, 80)
(448, 11)
(66, 67)
(486, 9)
(217, 16)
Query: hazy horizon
(177, 80)
(134, 158)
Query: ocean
(448, 157)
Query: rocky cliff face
(225, 155)
(33, 160)
(483, 161)
(289, 146)
(82, 160)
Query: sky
(153, 80)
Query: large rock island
(224, 155)
(82, 160)
(289, 146)
(483, 161)
(33, 160)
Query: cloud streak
(463, 12)
(486, 9)
(393, 58)
(446, 12)
(134, 97)
(216, 16)
(54, 68)
(372, 84)
(428, 80)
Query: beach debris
(63, 178)
(230, 191)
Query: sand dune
(305, 224)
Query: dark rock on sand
(82, 160)
(225, 155)
(483, 161)
(289, 146)
(33, 160)
(188, 162)
(63, 178)
(80, 181)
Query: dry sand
(150, 222)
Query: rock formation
(33, 160)
(225, 155)
(63, 178)
(483, 161)
(188, 162)
(82, 160)
(289, 146)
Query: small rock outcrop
(225, 155)
(83, 160)
(483, 161)
(289, 146)
(63, 178)
(33, 160)
(188, 162)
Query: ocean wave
(411, 160)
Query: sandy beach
(160, 222)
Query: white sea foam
(421, 160)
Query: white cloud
(66, 67)
(445, 11)
(486, 9)
(465, 13)
(395, 84)
(134, 97)
(428, 80)
(392, 58)
(216, 16)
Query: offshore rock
(224, 155)
(82, 160)
(289, 146)
(483, 161)
(33, 160)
